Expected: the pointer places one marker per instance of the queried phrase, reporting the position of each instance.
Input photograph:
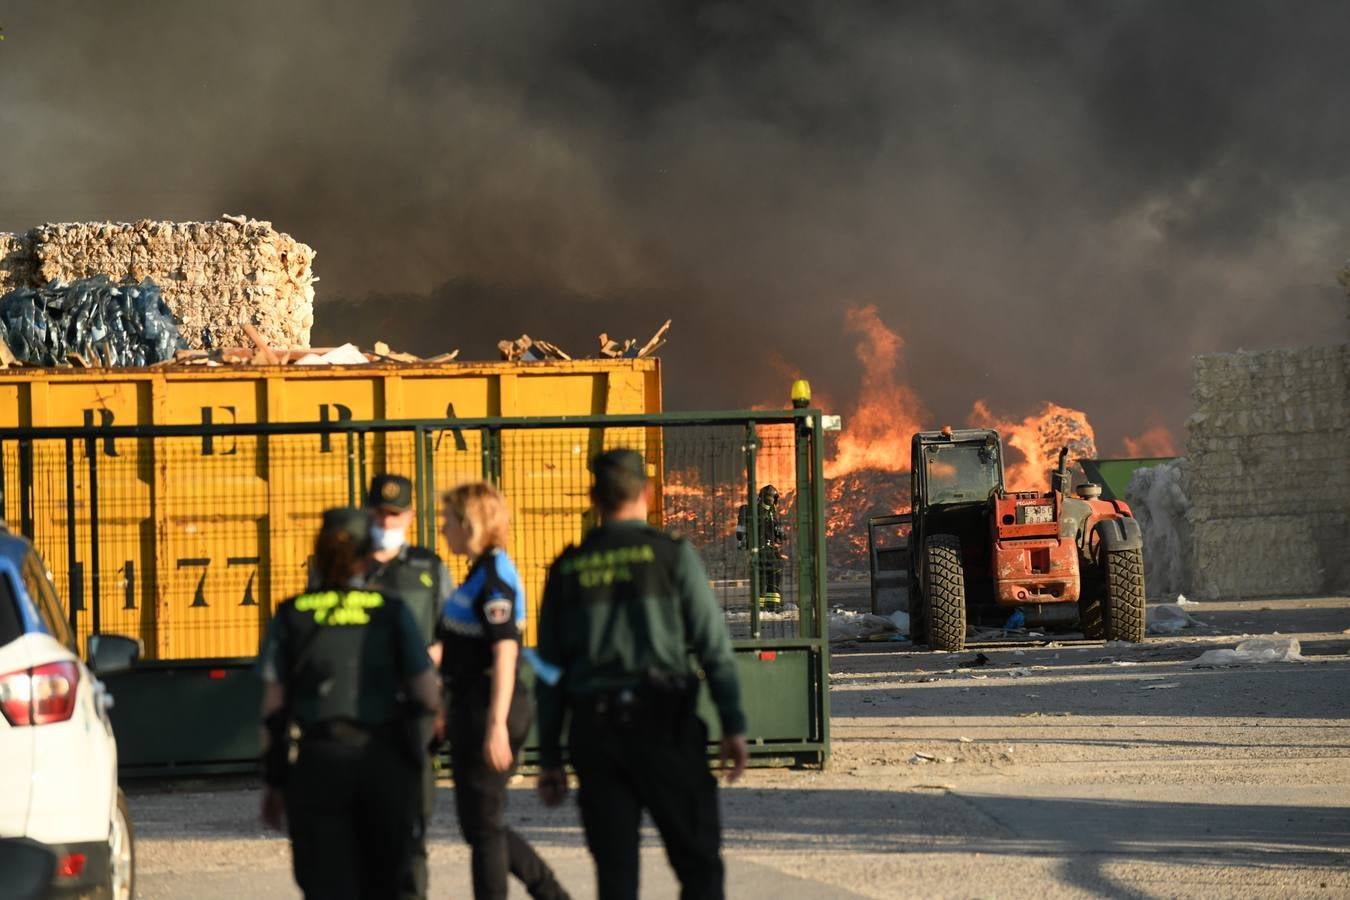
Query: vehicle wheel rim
(120, 846)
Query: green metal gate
(189, 536)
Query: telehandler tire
(945, 593)
(1091, 612)
(1125, 596)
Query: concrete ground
(1049, 771)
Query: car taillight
(40, 695)
(71, 865)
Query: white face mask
(392, 539)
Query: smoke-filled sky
(1059, 200)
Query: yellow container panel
(200, 538)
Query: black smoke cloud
(1049, 200)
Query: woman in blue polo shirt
(489, 714)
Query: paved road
(1084, 771)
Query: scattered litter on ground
(901, 621)
(1015, 621)
(1019, 673)
(1259, 650)
(1123, 662)
(966, 740)
(978, 660)
(1182, 601)
(1161, 687)
(919, 759)
(855, 626)
(1168, 618)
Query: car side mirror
(110, 653)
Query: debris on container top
(528, 349)
(629, 348)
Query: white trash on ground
(846, 625)
(1257, 650)
(901, 621)
(1168, 618)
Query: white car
(58, 758)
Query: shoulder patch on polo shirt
(498, 612)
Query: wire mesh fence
(191, 539)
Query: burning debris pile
(868, 472)
(213, 275)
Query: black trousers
(351, 809)
(480, 799)
(771, 571)
(417, 879)
(655, 763)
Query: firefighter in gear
(348, 669)
(490, 713)
(769, 560)
(628, 629)
(419, 578)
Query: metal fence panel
(189, 536)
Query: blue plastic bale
(127, 325)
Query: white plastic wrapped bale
(1157, 496)
(214, 275)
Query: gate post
(752, 523)
(807, 620)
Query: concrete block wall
(1269, 473)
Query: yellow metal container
(199, 539)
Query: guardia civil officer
(489, 713)
(622, 614)
(418, 577)
(349, 668)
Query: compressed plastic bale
(106, 324)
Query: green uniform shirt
(628, 603)
(343, 655)
(418, 578)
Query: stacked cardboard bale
(1268, 477)
(17, 267)
(214, 275)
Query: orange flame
(867, 473)
(1037, 439)
(1156, 441)
(888, 411)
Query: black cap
(620, 460)
(350, 524)
(390, 492)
